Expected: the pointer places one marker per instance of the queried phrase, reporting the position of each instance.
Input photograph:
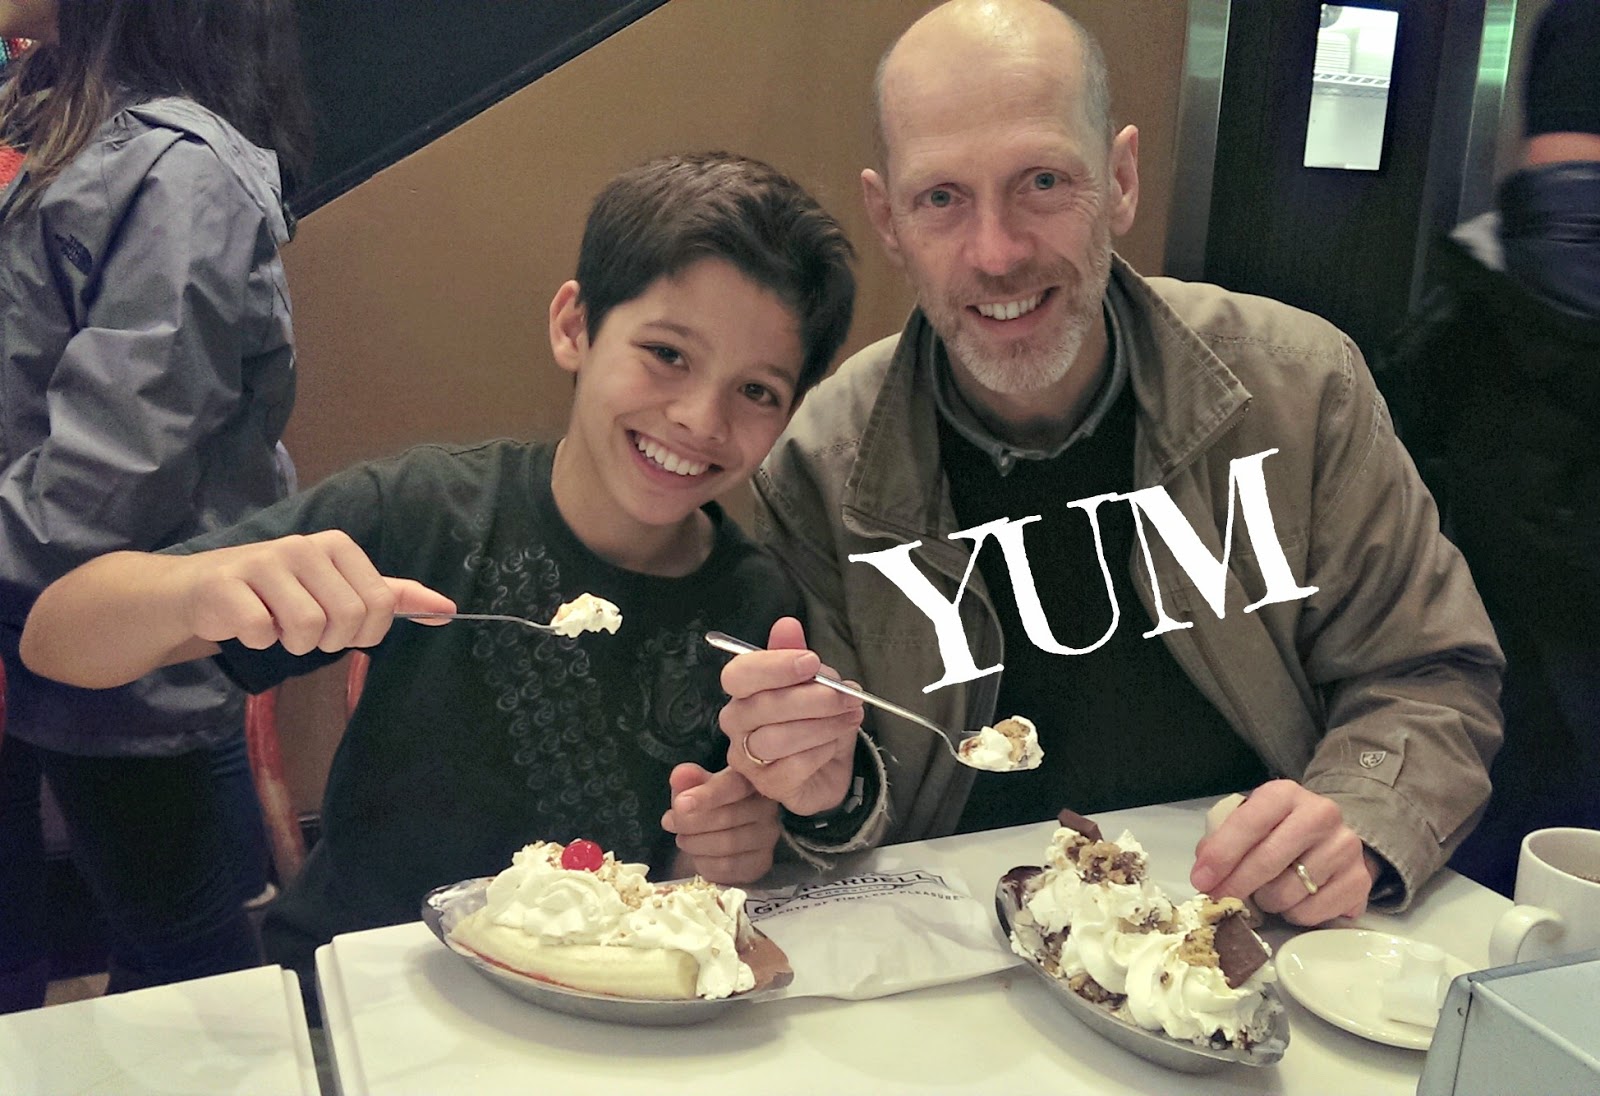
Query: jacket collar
(1186, 397)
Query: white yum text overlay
(1246, 487)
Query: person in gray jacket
(1214, 567)
(146, 373)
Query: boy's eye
(1045, 180)
(666, 354)
(761, 394)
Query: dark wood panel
(1337, 243)
(388, 76)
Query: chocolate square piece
(1239, 952)
(1075, 821)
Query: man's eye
(1045, 180)
(940, 199)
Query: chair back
(266, 765)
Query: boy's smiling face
(680, 395)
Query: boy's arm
(120, 616)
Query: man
(1041, 376)
(1496, 387)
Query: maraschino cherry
(582, 855)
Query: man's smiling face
(999, 200)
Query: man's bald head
(990, 32)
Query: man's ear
(875, 193)
(569, 329)
(1124, 163)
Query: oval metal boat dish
(444, 906)
(1153, 1046)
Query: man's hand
(726, 829)
(793, 739)
(316, 592)
(1255, 851)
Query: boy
(711, 293)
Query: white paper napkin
(875, 933)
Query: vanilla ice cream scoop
(586, 613)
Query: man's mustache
(1019, 283)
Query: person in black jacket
(1495, 386)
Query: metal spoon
(524, 621)
(724, 642)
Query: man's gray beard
(1022, 369)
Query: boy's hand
(316, 592)
(794, 740)
(1282, 824)
(725, 828)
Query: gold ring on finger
(745, 742)
(1299, 868)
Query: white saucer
(1336, 973)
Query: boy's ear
(569, 330)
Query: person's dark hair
(661, 217)
(1562, 94)
(238, 58)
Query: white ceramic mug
(1558, 898)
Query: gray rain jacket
(146, 373)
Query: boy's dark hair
(659, 218)
(237, 58)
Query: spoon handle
(524, 621)
(724, 642)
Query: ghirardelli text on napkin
(875, 933)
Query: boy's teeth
(669, 460)
(1010, 310)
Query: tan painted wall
(420, 296)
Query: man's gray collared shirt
(955, 410)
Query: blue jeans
(170, 847)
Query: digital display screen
(1350, 87)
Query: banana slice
(658, 974)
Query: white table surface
(233, 1033)
(405, 1015)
